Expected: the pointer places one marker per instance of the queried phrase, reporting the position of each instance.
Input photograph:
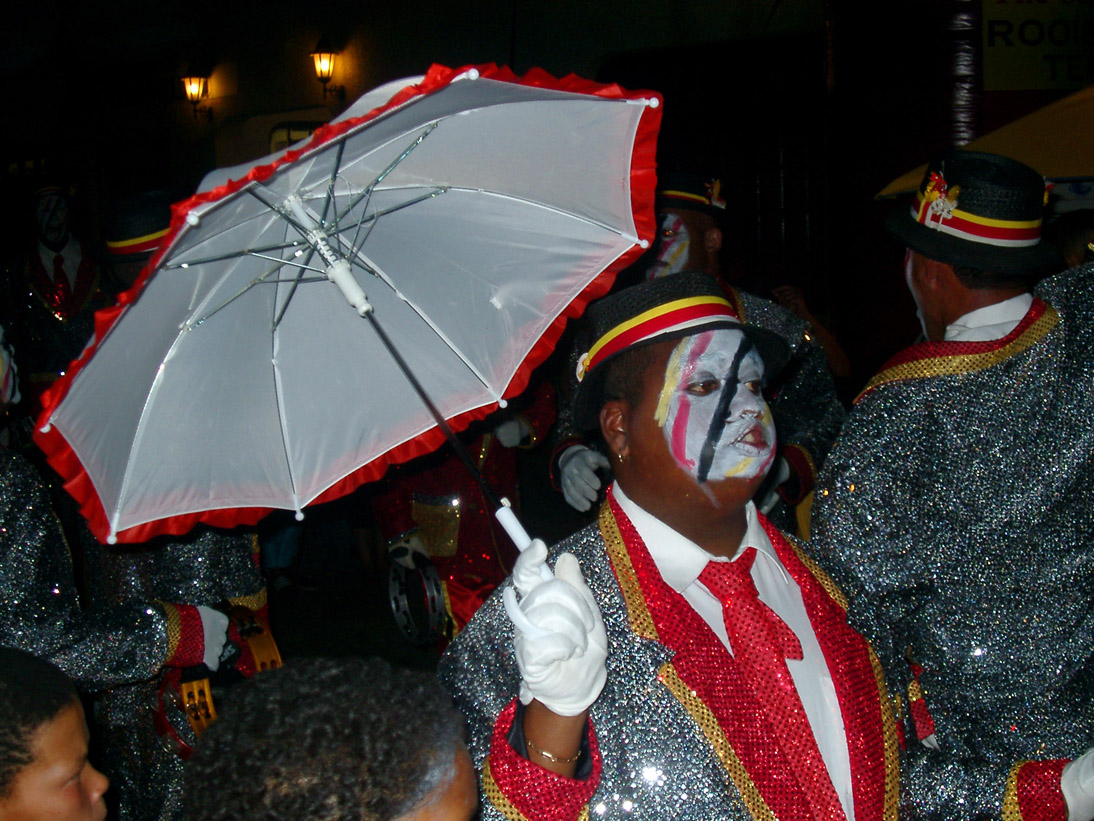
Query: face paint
(51, 213)
(714, 417)
(674, 247)
(909, 262)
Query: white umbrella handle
(508, 520)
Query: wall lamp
(197, 89)
(324, 56)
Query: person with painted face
(684, 658)
(957, 504)
(53, 293)
(807, 411)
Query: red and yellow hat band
(138, 245)
(678, 315)
(942, 214)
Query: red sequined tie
(761, 643)
(62, 292)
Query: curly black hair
(344, 738)
(32, 692)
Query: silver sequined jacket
(657, 763)
(39, 607)
(957, 508)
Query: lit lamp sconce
(324, 56)
(197, 89)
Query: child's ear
(613, 426)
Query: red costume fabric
(437, 497)
(742, 732)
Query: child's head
(44, 771)
(333, 739)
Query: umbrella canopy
(468, 217)
(1054, 141)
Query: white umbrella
(468, 218)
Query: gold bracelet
(554, 759)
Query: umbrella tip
(193, 219)
(299, 516)
(46, 428)
(112, 538)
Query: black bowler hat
(661, 309)
(136, 225)
(980, 211)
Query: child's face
(60, 782)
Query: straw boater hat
(671, 307)
(980, 211)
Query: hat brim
(1027, 261)
(589, 397)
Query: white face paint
(674, 247)
(711, 409)
(909, 262)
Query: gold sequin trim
(1011, 809)
(915, 692)
(637, 610)
(708, 723)
(822, 578)
(174, 627)
(503, 805)
(889, 732)
(965, 363)
(255, 601)
(496, 797)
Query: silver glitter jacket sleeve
(39, 607)
(957, 509)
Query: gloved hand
(782, 473)
(512, 432)
(1077, 783)
(408, 550)
(214, 625)
(580, 483)
(559, 636)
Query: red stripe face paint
(673, 249)
(711, 409)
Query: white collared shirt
(680, 561)
(990, 322)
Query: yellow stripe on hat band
(656, 313)
(126, 243)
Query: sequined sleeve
(956, 509)
(39, 607)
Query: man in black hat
(684, 659)
(958, 504)
(808, 413)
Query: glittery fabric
(803, 399)
(208, 568)
(678, 734)
(39, 606)
(957, 507)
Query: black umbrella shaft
(461, 451)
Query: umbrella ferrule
(339, 273)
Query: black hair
(1072, 234)
(32, 692)
(345, 738)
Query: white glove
(580, 482)
(559, 636)
(782, 473)
(214, 625)
(1077, 784)
(409, 551)
(512, 432)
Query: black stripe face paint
(718, 421)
